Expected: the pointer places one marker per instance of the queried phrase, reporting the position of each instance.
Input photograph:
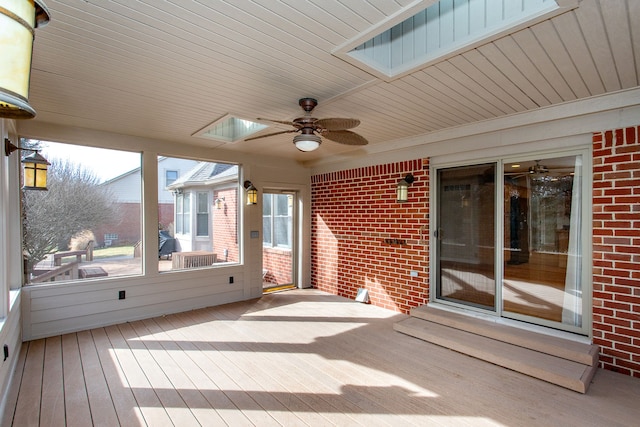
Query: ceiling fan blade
(271, 134)
(345, 137)
(333, 124)
(284, 122)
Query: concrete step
(554, 369)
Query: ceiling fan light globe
(306, 142)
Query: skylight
(419, 36)
(229, 129)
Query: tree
(74, 202)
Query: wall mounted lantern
(252, 193)
(18, 20)
(35, 167)
(219, 202)
(402, 191)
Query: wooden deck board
(124, 402)
(191, 397)
(101, 404)
(295, 377)
(170, 398)
(227, 357)
(30, 398)
(257, 406)
(11, 398)
(146, 397)
(76, 400)
(278, 375)
(52, 408)
(300, 357)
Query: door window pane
(282, 220)
(277, 220)
(267, 239)
(542, 250)
(465, 235)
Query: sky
(105, 164)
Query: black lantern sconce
(35, 167)
(252, 193)
(18, 20)
(402, 191)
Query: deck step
(572, 350)
(562, 362)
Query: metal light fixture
(252, 193)
(219, 202)
(307, 140)
(402, 191)
(35, 167)
(18, 20)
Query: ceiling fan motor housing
(308, 104)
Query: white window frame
(167, 181)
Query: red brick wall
(128, 226)
(165, 216)
(224, 225)
(361, 237)
(279, 266)
(616, 248)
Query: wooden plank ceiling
(166, 69)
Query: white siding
(64, 307)
(127, 187)
(182, 166)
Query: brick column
(616, 248)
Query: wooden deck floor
(293, 358)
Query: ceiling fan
(311, 129)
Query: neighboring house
(206, 210)
(126, 190)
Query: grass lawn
(113, 251)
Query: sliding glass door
(527, 261)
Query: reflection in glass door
(465, 270)
(542, 241)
